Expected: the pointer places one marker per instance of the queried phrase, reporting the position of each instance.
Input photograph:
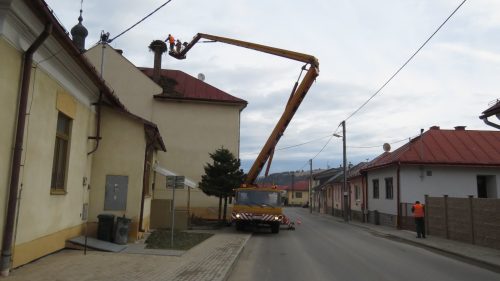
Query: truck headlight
(276, 218)
(238, 216)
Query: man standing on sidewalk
(418, 213)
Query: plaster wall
(381, 204)
(417, 181)
(121, 152)
(10, 71)
(133, 87)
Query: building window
(298, 194)
(61, 153)
(388, 188)
(375, 188)
(356, 192)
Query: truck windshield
(255, 197)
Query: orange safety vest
(171, 39)
(418, 210)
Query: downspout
(148, 146)
(489, 123)
(97, 137)
(18, 151)
(398, 188)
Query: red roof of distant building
(446, 147)
(299, 186)
(180, 85)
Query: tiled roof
(446, 147)
(302, 185)
(356, 170)
(179, 85)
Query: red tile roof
(180, 85)
(299, 186)
(445, 147)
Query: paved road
(324, 249)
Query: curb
(237, 256)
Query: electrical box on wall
(115, 198)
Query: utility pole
(344, 185)
(310, 184)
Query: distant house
(493, 110)
(357, 192)
(298, 193)
(458, 163)
(327, 187)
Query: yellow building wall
(192, 131)
(134, 89)
(44, 216)
(298, 201)
(10, 72)
(121, 152)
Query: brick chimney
(434, 128)
(158, 47)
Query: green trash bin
(105, 227)
(121, 232)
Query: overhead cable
(401, 68)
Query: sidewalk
(481, 256)
(213, 259)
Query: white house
(458, 163)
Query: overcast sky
(359, 44)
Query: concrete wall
(121, 152)
(469, 220)
(416, 181)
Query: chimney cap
(460, 128)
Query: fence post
(426, 216)
(471, 219)
(446, 231)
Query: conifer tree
(221, 177)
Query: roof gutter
(7, 240)
(489, 123)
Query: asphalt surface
(324, 249)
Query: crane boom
(293, 104)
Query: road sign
(179, 181)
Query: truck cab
(256, 207)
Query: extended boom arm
(293, 104)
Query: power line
(392, 77)
(412, 56)
(150, 14)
